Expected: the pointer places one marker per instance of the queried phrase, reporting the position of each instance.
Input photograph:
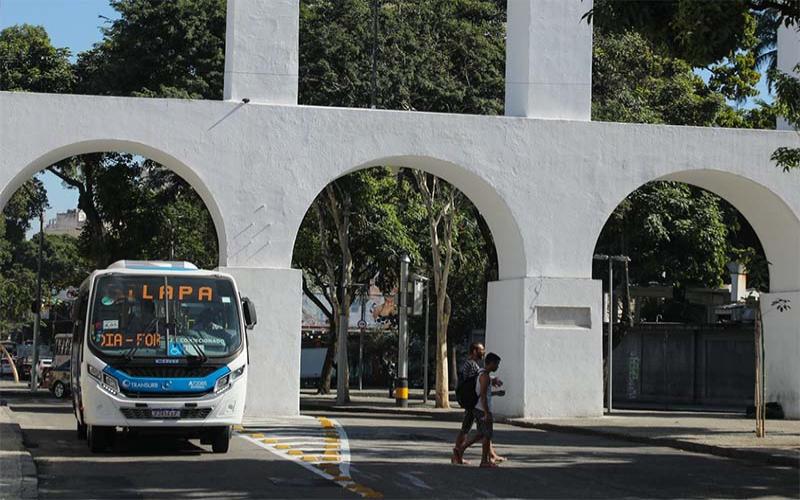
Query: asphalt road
(360, 455)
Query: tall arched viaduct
(544, 177)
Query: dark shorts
(485, 428)
(469, 419)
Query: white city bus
(159, 347)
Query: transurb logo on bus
(139, 385)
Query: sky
(75, 24)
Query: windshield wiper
(196, 345)
(132, 351)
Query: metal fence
(664, 363)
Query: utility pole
(38, 305)
(342, 373)
(401, 388)
(427, 329)
(361, 326)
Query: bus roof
(153, 265)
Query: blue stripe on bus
(166, 385)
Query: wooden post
(758, 398)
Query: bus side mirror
(249, 310)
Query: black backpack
(466, 395)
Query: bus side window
(79, 322)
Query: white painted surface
(788, 58)
(548, 370)
(546, 187)
(782, 351)
(262, 50)
(274, 382)
(549, 59)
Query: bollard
(401, 392)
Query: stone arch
(508, 240)
(123, 146)
(774, 221)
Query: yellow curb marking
(328, 462)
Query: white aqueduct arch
(775, 223)
(505, 232)
(58, 154)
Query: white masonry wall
(549, 59)
(545, 186)
(262, 51)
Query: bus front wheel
(59, 390)
(221, 439)
(99, 438)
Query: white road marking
(414, 480)
(318, 445)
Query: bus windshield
(164, 316)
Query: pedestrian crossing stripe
(319, 445)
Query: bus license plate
(165, 413)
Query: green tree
(676, 233)
(354, 232)
(158, 49)
(788, 106)
(697, 31)
(436, 55)
(433, 55)
(632, 82)
(30, 62)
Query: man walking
(483, 410)
(470, 368)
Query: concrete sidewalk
(17, 470)
(728, 435)
(722, 434)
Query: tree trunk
(442, 384)
(758, 398)
(324, 386)
(440, 218)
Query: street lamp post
(361, 326)
(610, 346)
(38, 305)
(418, 278)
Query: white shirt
(480, 406)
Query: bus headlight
(94, 372)
(223, 383)
(110, 384)
(238, 373)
